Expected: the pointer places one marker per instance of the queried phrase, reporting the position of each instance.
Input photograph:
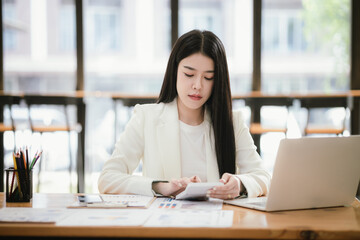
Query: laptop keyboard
(260, 204)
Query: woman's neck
(189, 116)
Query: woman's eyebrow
(193, 69)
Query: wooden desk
(327, 223)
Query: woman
(191, 134)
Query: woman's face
(195, 80)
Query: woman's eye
(209, 78)
(188, 75)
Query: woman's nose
(197, 83)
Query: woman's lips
(195, 97)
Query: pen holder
(18, 185)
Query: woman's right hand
(175, 186)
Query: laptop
(310, 173)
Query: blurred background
(304, 48)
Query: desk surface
(327, 223)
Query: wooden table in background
(256, 99)
(326, 223)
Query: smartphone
(90, 198)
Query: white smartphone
(90, 198)
(197, 191)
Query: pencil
(17, 175)
(12, 181)
(33, 161)
(37, 158)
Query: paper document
(170, 203)
(191, 218)
(130, 200)
(113, 201)
(33, 215)
(106, 217)
(197, 191)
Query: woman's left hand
(229, 190)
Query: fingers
(229, 190)
(179, 185)
(181, 182)
(225, 178)
(167, 189)
(226, 196)
(195, 179)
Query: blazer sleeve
(116, 175)
(250, 170)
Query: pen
(22, 170)
(23, 158)
(27, 160)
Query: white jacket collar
(168, 135)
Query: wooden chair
(129, 102)
(62, 102)
(6, 101)
(314, 103)
(257, 128)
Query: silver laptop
(311, 172)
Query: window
(305, 46)
(162, 29)
(9, 25)
(39, 56)
(39, 50)
(126, 45)
(67, 27)
(207, 15)
(231, 21)
(104, 26)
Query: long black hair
(219, 104)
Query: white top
(192, 150)
(153, 136)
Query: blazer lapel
(168, 137)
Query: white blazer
(153, 136)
